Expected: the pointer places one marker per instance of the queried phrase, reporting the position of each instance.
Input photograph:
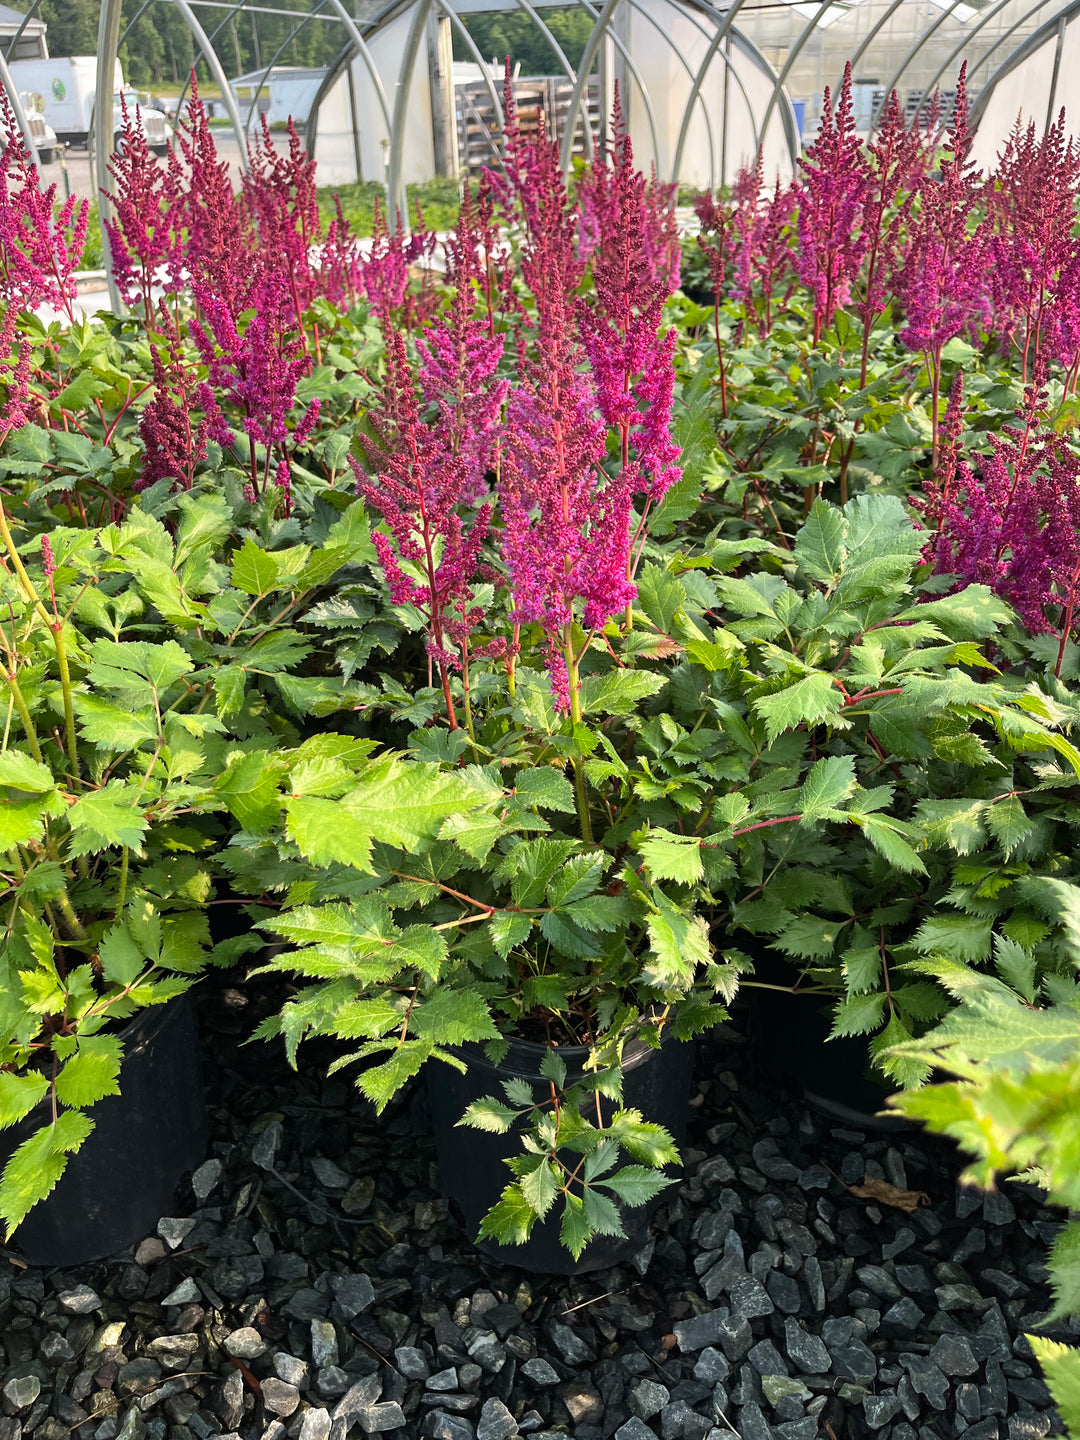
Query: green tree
(501, 33)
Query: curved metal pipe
(563, 61)
(108, 40)
(474, 50)
(624, 51)
(210, 55)
(887, 14)
(365, 54)
(395, 185)
(584, 66)
(954, 54)
(312, 15)
(17, 107)
(875, 119)
(786, 111)
(334, 72)
(1026, 47)
(717, 40)
(732, 71)
(793, 54)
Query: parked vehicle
(44, 136)
(63, 90)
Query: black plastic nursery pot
(472, 1169)
(117, 1187)
(792, 1033)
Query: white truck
(63, 90)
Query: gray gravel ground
(312, 1286)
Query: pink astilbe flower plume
(830, 196)
(280, 196)
(143, 230)
(620, 322)
(1012, 522)
(944, 282)
(254, 367)
(420, 484)
(173, 446)
(893, 170)
(40, 246)
(1033, 212)
(764, 253)
(384, 268)
(716, 241)
(566, 538)
(218, 250)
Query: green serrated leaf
(18, 1096)
(671, 857)
(807, 702)
(35, 1167)
(92, 1072)
(545, 788)
(254, 571)
(108, 817)
(249, 789)
(829, 783)
(1061, 1367)
(324, 833)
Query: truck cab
(156, 129)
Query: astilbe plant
(894, 163)
(174, 442)
(566, 537)
(943, 284)
(253, 365)
(830, 194)
(280, 196)
(384, 266)
(428, 471)
(716, 241)
(218, 253)
(764, 254)
(1011, 518)
(1033, 213)
(144, 240)
(621, 321)
(40, 246)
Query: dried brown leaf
(887, 1194)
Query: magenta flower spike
(830, 195)
(40, 246)
(566, 537)
(280, 196)
(173, 446)
(427, 477)
(944, 283)
(1032, 204)
(143, 230)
